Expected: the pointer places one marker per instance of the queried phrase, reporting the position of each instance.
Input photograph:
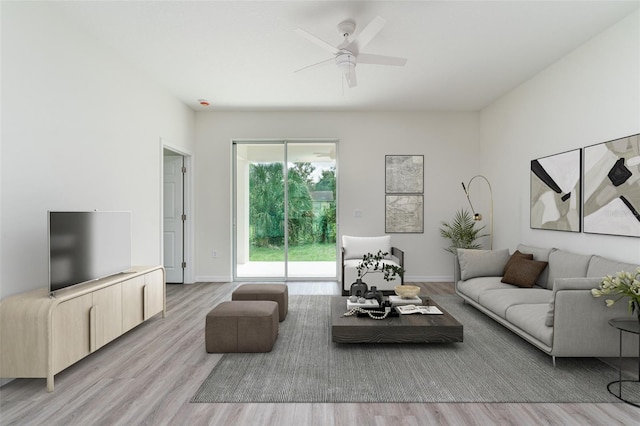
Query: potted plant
(461, 233)
(373, 263)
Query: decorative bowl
(407, 291)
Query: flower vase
(637, 305)
(358, 288)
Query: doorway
(174, 216)
(285, 204)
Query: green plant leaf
(462, 232)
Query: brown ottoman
(276, 292)
(242, 326)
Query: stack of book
(368, 303)
(399, 301)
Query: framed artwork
(555, 192)
(612, 187)
(404, 174)
(404, 213)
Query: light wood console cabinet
(41, 336)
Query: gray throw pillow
(482, 263)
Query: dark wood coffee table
(414, 328)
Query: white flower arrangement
(624, 284)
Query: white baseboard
(213, 279)
(432, 278)
(407, 279)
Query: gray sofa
(557, 314)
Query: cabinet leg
(50, 383)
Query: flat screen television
(86, 246)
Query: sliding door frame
(234, 212)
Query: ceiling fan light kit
(346, 53)
(347, 27)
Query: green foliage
(300, 204)
(327, 181)
(461, 232)
(326, 224)
(266, 205)
(373, 263)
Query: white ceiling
(241, 55)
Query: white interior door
(173, 218)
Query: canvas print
(404, 174)
(404, 213)
(555, 192)
(612, 187)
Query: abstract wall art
(555, 192)
(404, 213)
(612, 187)
(404, 174)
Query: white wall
(588, 97)
(81, 130)
(449, 142)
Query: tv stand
(41, 336)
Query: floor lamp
(477, 216)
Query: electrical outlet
(214, 254)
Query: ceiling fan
(348, 54)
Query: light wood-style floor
(148, 376)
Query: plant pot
(358, 288)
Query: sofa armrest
(581, 321)
(561, 284)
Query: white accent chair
(355, 248)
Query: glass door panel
(311, 219)
(260, 250)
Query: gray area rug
(491, 365)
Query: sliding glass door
(285, 210)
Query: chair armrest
(398, 254)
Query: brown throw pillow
(524, 272)
(515, 256)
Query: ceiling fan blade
(317, 64)
(367, 34)
(323, 44)
(368, 58)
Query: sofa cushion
(524, 272)
(482, 263)
(499, 301)
(515, 256)
(541, 254)
(564, 264)
(358, 247)
(475, 287)
(600, 267)
(530, 319)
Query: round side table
(625, 326)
